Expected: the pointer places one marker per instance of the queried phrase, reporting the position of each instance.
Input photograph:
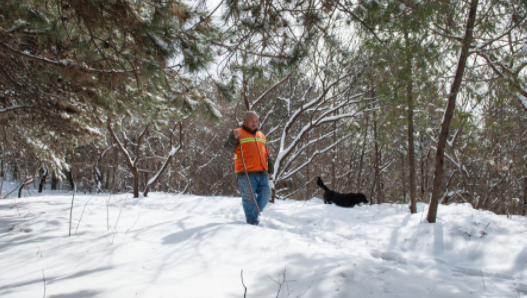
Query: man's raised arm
(232, 142)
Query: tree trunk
(244, 92)
(54, 181)
(309, 186)
(174, 180)
(132, 165)
(24, 184)
(409, 97)
(378, 191)
(135, 173)
(333, 159)
(107, 177)
(15, 170)
(422, 163)
(69, 175)
(449, 112)
(403, 175)
(359, 176)
(43, 181)
(524, 209)
(157, 175)
(111, 185)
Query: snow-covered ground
(170, 245)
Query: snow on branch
(327, 104)
(309, 126)
(12, 108)
(139, 141)
(259, 99)
(447, 35)
(120, 145)
(171, 154)
(317, 152)
(63, 62)
(162, 169)
(509, 75)
(504, 34)
(298, 151)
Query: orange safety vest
(254, 152)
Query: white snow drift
(170, 245)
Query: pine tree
(65, 66)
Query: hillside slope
(170, 245)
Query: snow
(169, 245)
(173, 151)
(158, 41)
(212, 108)
(11, 108)
(523, 99)
(93, 131)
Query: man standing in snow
(259, 165)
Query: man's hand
(271, 176)
(236, 134)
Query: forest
(406, 101)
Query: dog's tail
(321, 184)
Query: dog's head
(363, 200)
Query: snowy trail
(190, 246)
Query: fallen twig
(482, 280)
(138, 215)
(82, 213)
(244, 293)
(44, 281)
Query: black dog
(341, 199)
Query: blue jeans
(262, 194)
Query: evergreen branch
(249, 52)
(502, 35)
(61, 63)
(317, 152)
(9, 109)
(346, 10)
(161, 170)
(207, 17)
(259, 99)
(120, 145)
(139, 141)
(509, 76)
(449, 36)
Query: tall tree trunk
(15, 170)
(174, 180)
(111, 185)
(162, 168)
(403, 175)
(524, 209)
(334, 159)
(107, 177)
(309, 186)
(54, 181)
(244, 92)
(24, 184)
(378, 191)
(135, 173)
(422, 164)
(410, 100)
(69, 175)
(361, 163)
(43, 181)
(132, 165)
(449, 112)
